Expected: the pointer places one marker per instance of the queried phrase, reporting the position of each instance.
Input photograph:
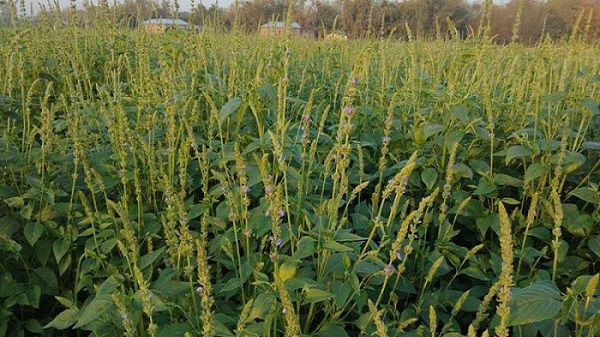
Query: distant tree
(357, 17)
(428, 17)
(324, 17)
(4, 13)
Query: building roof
(166, 22)
(281, 24)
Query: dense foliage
(233, 185)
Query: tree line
(525, 21)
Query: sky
(185, 5)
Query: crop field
(187, 184)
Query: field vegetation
(231, 185)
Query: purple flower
(388, 270)
(399, 256)
(199, 290)
(248, 233)
(355, 81)
(278, 243)
(151, 295)
(386, 140)
(281, 213)
(348, 110)
(306, 118)
(246, 189)
(269, 189)
(284, 310)
(125, 316)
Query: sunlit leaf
(535, 303)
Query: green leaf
(15, 202)
(432, 129)
(148, 259)
(461, 113)
(463, 171)
(33, 231)
(534, 303)
(506, 180)
(26, 211)
(594, 245)
(475, 272)
(586, 194)
(332, 330)
(262, 306)
(172, 330)
(33, 296)
(34, 182)
(33, 325)
(67, 303)
(590, 104)
(345, 235)
(429, 177)
(534, 171)
(64, 320)
(306, 247)
(554, 97)
(337, 247)
(572, 161)
(93, 311)
(232, 285)
(196, 210)
(590, 146)
(341, 291)
(517, 151)
(108, 286)
(314, 295)
(485, 187)
(547, 145)
(229, 108)
(64, 264)
(580, 223)
(60, 247)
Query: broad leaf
(313, 295)
(229, 108)
(506, 180)
(64, 320)
(432, 129)
(175, 329)
(332, 330)
(306, 247)
(32, 232)
(94, 310)
(337, 247)
(586, 194)
(517, 151)
(429, 177)
(594, 245)
(535, 303)
(534, 171)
